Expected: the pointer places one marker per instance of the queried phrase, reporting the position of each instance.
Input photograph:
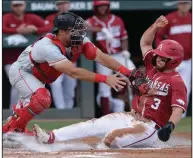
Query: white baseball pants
(63, 92)
(106, 124)
(185, 71)
(24, 82)
(104, 90)
(14, 94)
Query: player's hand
(21, 29)
(161, 22)
(116, 82)
(26, 29)
(164, 133)
(126, 54)
(32, 28)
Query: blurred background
(25, 21)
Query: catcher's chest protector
(44, 72)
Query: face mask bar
(78, 32)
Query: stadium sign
(47, 6)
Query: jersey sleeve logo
(180, 101)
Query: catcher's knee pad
(40, 100)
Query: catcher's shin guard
(40, 100)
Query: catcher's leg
(34, 98)
(95, 127)
(40, 100)
(14, 95)
(140, 134)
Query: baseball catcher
(46, 59)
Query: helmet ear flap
(154, 60)
(171, 63)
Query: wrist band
(171, 124)
(100, 78)
(123, 70)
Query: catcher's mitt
(138, 82)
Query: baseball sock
(105, 105)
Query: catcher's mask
(74, 23)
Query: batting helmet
(171, 50)
(74, 23)
(97, 3)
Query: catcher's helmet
(72, 22)
(172, 50)
(97, 3)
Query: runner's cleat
(42, 136)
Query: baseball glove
(138, 82)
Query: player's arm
(148, 36)
(99, 29)
(94, 29)
(162, 33)
(68, 68)
(41, 25)
(5, 24)
(91, 27)
(179, 102)
(176, 114)
(164, 133)
(91, 52)
(111, 63)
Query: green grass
(53, 124)
(183, 126)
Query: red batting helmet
(172, 50)
(97, 3)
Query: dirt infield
(112, 153)
(179, 150)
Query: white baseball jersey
(20, 74)
(42, 51)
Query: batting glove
(164, 133)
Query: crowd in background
(110, 35)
